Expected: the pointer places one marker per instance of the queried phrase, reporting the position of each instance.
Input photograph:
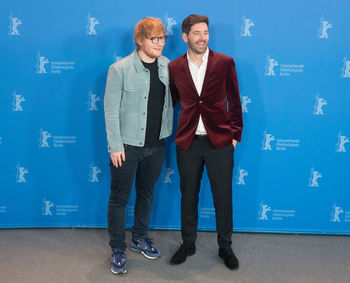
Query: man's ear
(185, 37)
(139, 43)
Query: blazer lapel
(188, 74)
(208, 71)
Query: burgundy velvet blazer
(219, 103)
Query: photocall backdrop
(293, 62)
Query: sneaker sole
(144, 254)
(119, 272)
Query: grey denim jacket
(125, 102)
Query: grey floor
(82, 255)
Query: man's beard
(153, 53)
(197, 49)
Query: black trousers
(144, 165)
(219, 164)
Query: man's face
(152, 50)
(198, 38)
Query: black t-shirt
(154, 107)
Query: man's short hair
(192, 20)
(148, 27)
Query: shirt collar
(204, 58)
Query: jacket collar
(138, 64)
(137, 61)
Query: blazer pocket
(222, 118)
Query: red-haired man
(138, 114)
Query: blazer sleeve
(234, 101)
(174, 92)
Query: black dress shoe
(183, 252)
(229, 258)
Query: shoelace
(149, 243)
(118, 257)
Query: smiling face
(197, 38)
(144, 30)
(151, 50)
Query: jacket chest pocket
(131, 93)
(129, 88)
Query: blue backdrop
(293, 62)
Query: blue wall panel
(293, 62)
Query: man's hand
(234, 142)
(117, 158)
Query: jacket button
(140, 143)
(144, 113)
(145, 97)
(141, 129)
(200, 101)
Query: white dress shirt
(198, 74)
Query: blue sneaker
(118, 262)
(145, 246)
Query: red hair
(148, 27)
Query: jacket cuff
(237, 136)
(115, 148)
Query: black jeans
(219, 163)
(145, 163)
